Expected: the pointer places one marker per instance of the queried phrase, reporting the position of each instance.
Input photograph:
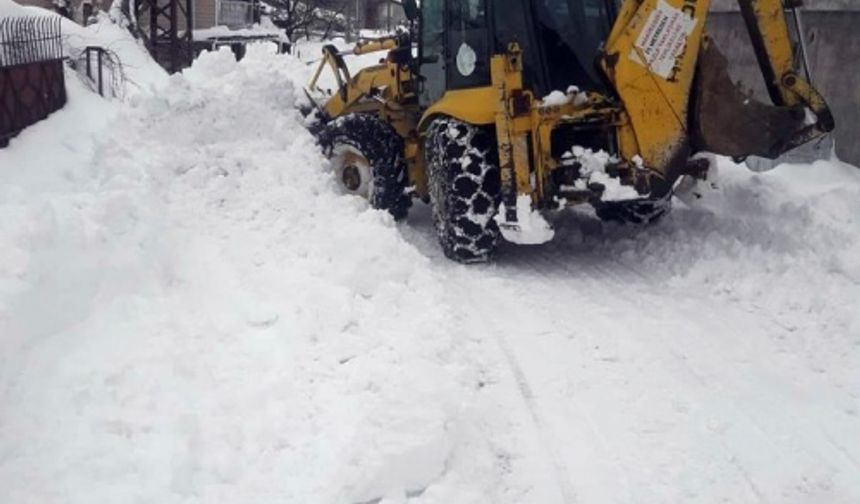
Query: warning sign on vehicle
(662, 39)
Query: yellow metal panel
(651, 60)
(770, 16)
(474, 106)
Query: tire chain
(383, 148)
(464, 188)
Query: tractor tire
(465, 188)
(367, 156)
(638, 211)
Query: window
(468, 44)
(432, 50)
(571, 32)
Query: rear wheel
(367, 157)
(465, 186)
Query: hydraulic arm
(679, 96)
(768, 29)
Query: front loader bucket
(726, 121)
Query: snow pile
(555, 99)
(592, 170)
(785, 242)
(8, 8)
(558, 98)
(138, 70)
(186, 316)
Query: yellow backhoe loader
(496, 111)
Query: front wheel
(367, 156)
(465, 188)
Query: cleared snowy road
(639, 390)
(191, 312)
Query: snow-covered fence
(32, 84)
(29, 39)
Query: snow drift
(190, 306)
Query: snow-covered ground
(190, 311)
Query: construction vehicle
(513, 108)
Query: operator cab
(560, 40)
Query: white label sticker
(466, 59)
(663, 39)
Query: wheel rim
(353, 170)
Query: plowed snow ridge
(190, 311)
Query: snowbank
(187, 301)
(8, 8)
(139, 70)
(768, 241)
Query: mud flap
(730, 123)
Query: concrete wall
(833, 39)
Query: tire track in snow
(547, 440)
(731, 323)
(745, 404)
(551, 267)
(629, 293)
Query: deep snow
(190, 311)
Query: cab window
(432, 50)
(468, 44)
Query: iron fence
(32, 83)
(29, 39)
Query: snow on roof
(254, 31)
